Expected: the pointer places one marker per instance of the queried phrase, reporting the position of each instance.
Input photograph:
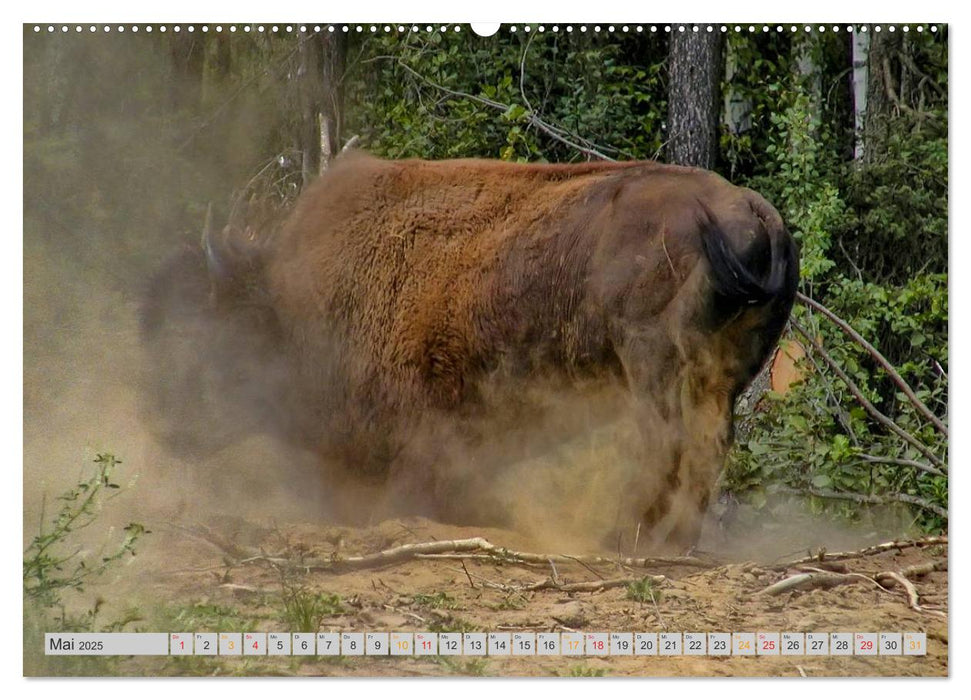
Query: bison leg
(697, 442)
(683, 409)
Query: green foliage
(446, 95)
(56, 564)
(874, 251)
(52, 564)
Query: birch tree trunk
(861, 51)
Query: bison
(396, 293)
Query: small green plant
(202, 616)
(472, 667)
(54, 564)
(512, 601)
(51, 564)
(452, 624)
(582, 671)
(644, 591)
(304, 610)
(436, 600)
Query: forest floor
(240, 575)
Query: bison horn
(215, 258)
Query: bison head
(213, 372)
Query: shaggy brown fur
(396, 288)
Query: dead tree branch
(870, 499)
(865, 402)
(898, 545)
(881, 360)
(893, 577)
(553, 132)
(478, 545)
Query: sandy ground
(181, 570)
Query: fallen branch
(803, 582)
(865, 402)
(584, 586)
(477, 546)
(912, 597)
(899, 545)
(881, 360)
(924, 569)
(816, 579)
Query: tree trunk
(693, 97)
(334, 55)
(881, 93)
(738, 108)
(309, 90)
(861, 50)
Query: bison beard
(402, 303)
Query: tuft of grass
(512, 601)
(452, 624)
(435, 600)
(582, 671)
(304, 610)
(644, 591)
(201, 617)
(459, 667)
